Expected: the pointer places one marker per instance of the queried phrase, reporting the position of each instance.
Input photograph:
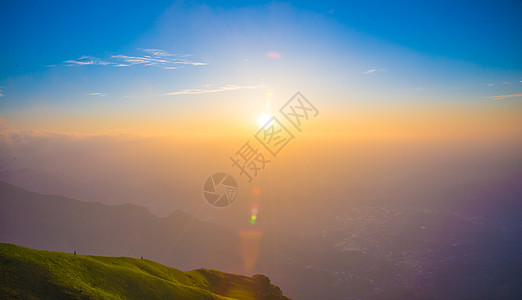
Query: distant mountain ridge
(62, 224)
(35, 274)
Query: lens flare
(254, 210)
(256, 190)
(250, 240)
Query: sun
(263, 119)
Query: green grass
(35, 274)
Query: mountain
(36, 274)
(462, 249)
(61, 224)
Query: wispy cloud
(87, 60)
(151, 57)
(212, 90)
(506, 82)
(500, 97)
(369, 71)
(98, 94)
(273, 54)
(1, 92)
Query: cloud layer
(98, 94)
(212, 90)
(500, 97)
(150, 57)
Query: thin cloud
(1, 92)
(98, 94)
(152, 57)
(500, 97)
(87, 60)
(156, 52)
(274, 55)
(213, 90)
(369, 71)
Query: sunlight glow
(263, 119)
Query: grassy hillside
(34, 274)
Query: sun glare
(263, 119)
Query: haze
(420, 106)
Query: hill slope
(36, 274)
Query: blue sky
(73, 57)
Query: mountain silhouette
(61, 224)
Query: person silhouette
(74, 252)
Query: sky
(96, 97)
(416, 105)
(135, 67)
